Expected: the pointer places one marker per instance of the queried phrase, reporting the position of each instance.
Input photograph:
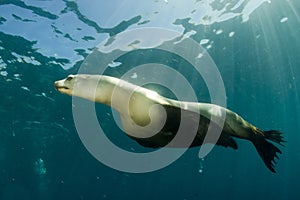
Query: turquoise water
(253, 43)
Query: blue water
(254, 44)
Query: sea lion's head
(66, 85)
(96, 88)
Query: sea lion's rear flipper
(268, 151)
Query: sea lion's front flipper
(148, 143)
(227, 141)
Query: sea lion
(138, 108)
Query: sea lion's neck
(107, 90)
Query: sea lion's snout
(56, 85)
(59, 85)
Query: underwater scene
(242, 55)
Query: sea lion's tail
(268, 151)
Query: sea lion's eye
(69, 78)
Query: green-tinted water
(254, 44)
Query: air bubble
(201, 166)
(284, 20)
